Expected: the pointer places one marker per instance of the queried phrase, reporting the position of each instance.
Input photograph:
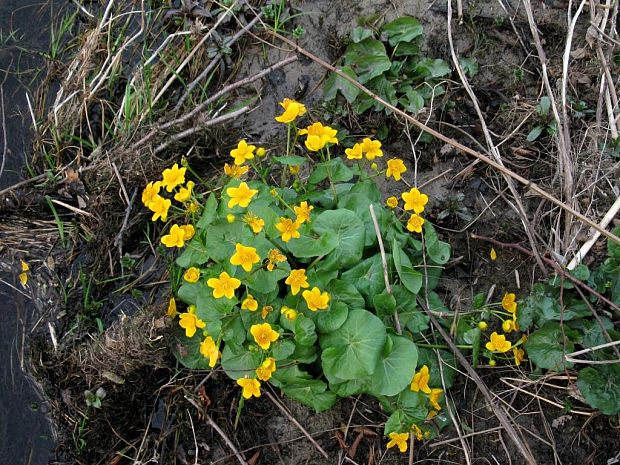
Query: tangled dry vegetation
(133, 88)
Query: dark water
(25, 434)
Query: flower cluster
(173, 180)
(499, 343)
(419, 383)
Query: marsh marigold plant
(280, 278)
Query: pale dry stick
(491, 145)
(188, 58)
(557, 268)
(453, 418)
(435, 444)
(544, 399)
(527, 183)
(563, 138)
(72, 208)
(296, 423)
(120, 180)
(200, 126)
(189, 415)
(214, 61)
(196, 111)
(106, 68)
(118, 241)
(386, 277)
(570, 357)
(585, 248)
(226, 439)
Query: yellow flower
(354, 153)
(173, 177)
(188, 231)
(230, 218)
(245, 257)
(150, 191)
(372, 148)
(297, 279)
(391, 202)
(235, 171)
(192, 275)
(493, 254)
(267, 309)
(303, 212)
(508, 302)
(261, 152)
(192, 207)
(266, 369)
(257, 224)
(251, 387)
(175, 237)
(289, 313)
(420, 381)
(519, 355)
(395, 167)
(288, 228)
(319, 136)
(189, 321)
(224, 285)
(249, 303)
(159, 206)
(434, 398)
(23, 276)
(415, 429)
(483, 325)
(273, 258)
(185, 193)
(292, 109)
(498, 343)
(374, 166)
(264, 335)
(241, 195)
(415, 200)
(209, 350)
(315, 299)
(294, 169)
(414, 223)
(172, 308)
(398, 439)
(243, 152)
(509, 326)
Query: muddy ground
(115, 338)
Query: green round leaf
(306, 246)
(546, 347)
(237, 361)
(395, 370)
(354, 349)
(349, 232)
(403, 29)
(600, 385)
(332, 319)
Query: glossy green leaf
(239, 362)
(208, 213)
(312, 393)
(367, 58)
(353, 350)
(438, 251)
(332, 319)
(194, 254)
(600, 386)
(546, 347)
(395, 370)
(336, 83)
(349, 232)
(306, 246)
(403, 29)
(409, 277)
